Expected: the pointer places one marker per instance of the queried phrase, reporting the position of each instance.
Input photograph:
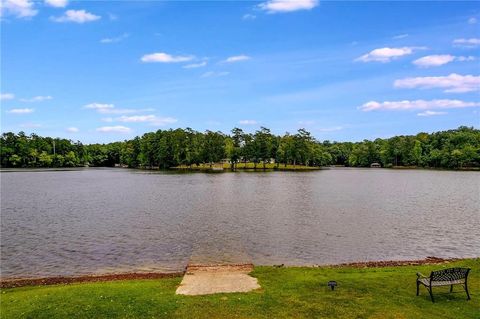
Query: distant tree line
(169, 148)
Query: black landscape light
(332, 284)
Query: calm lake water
(111, 220)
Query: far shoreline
(229, 170)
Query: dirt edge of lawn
(22, 282)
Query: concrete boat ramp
(212, 279)
(218, 266)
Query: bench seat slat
(426, 282)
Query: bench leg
(451, 288)
(418, 288)
(466, 290)
(431, 294)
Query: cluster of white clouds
(162, 57)
(27, 9)
(406, 105)
(23, 111)
(452, 83)
(105, 108)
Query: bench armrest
(420, 275)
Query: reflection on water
(110, 220)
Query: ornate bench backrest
(449, 274)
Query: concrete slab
(212, 279)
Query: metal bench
(445, 277)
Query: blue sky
(101, 71)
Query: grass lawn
(286, 293)
(249, 165)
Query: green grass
(286, 293)
(249, 165)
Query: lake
(116, 220)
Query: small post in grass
(332, 284)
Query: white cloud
(72, 129)
(280, 6)
(453, 83)
(99, 106)
(387, 54)
(76, 16)
(400, 36)
(39, 98)
(21, 111)
(18, 8)
(307, 123)
(114, 129)
(472, 20)
(103, 108)
(31, 125)
(57, 3)
(152, 119)
(433, 60)
(6, 96)
(136, 118)
(249, 16)
(123, 111)
(211, 74)
(115, 39)
(330, 129)
(165, 58)
(195, 65)
(248, 122)
(437, 60)
(465, 58)
(467, 43)
(407, 105)
(107, 119)
(237, 58)
(431, 113)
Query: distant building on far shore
(375, 165)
